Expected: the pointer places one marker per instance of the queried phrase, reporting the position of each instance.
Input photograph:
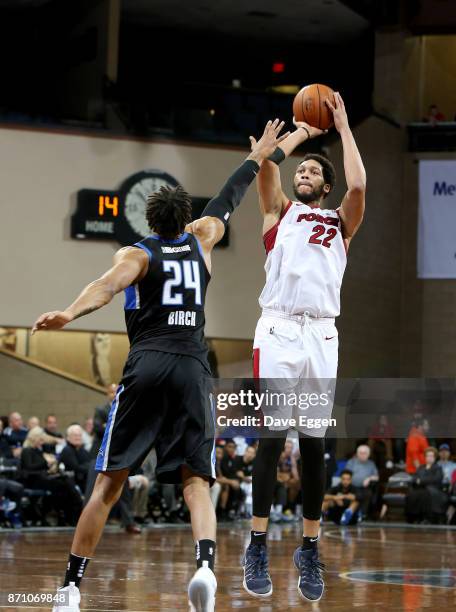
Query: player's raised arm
(272, 199)
(130, 264)
(352, 207)
(211, 227)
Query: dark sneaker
(257, 580)
(310, 585)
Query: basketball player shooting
(163, 400)
(296, 337)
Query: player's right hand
(51, 320)
(313, 131)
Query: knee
(144, 482)
(216, 487)
(17, 487)
(195, 489)
(139, 481)
(108, 489)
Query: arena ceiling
(325, 21)
(329, 21)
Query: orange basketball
(309, 106)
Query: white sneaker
(73, 601)
(201, 591)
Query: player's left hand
(270, 139)
(51, 320)
(338, 111)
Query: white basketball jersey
(305, 263)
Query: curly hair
(168, 211)
(329, 172)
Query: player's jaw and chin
(309, 197)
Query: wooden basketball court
(371, 567)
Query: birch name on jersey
(176, 249)
(182, 317)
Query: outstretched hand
(338, 111)
(51, 320)
(270, 139)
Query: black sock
(205, 553)
(75, 569)
(258, 537)
(309, 543)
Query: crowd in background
(434, 116)
(46, 476)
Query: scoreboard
(120, 215)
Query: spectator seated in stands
(341, 503)
(32, 422)
(74, 456)
(216, 488)
(426, 501)
(417, 443)
(6, 452)
(163, 503)
(101, 418)
(11, 493)
(244, 474)
(55, 438)
(288, 477)
(88, 434)
(16, 433)
(433, 115)
(448, 467)
(365, 478)
(330, 460)
(451, 513)
(139, 487)
(380, 441)
(40, 471)
(231, 493)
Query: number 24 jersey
(165, 310)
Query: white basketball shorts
(296, 359)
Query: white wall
(41, 268)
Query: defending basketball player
(296, 338)
(163, 400)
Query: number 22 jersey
(306, 259)
(165, 310)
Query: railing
(427, 137)
(52, 370)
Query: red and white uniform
(306, 260)
(296, 338)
